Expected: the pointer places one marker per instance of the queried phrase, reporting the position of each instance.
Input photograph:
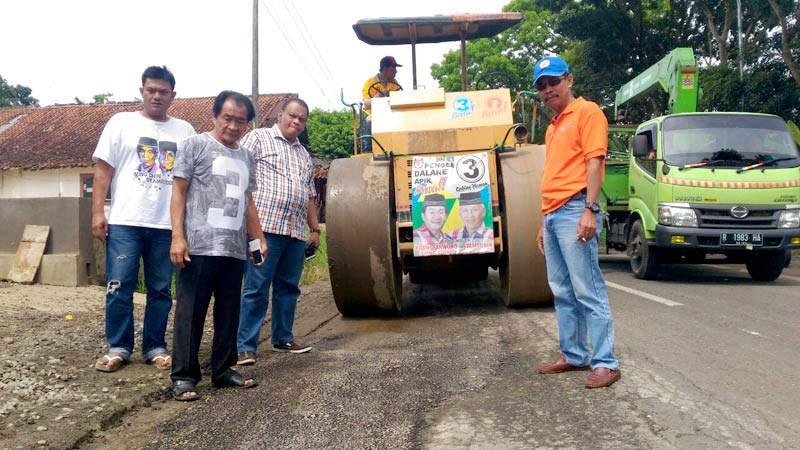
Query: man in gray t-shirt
(219, 180)
(212, 213)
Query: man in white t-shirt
(134, 159)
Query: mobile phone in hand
(311, 252)
(255, 250)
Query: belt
(581, 192)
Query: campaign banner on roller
(451, 205)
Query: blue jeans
(581, 301)
(124, 246)
(281, 270)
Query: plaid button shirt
(284, 182)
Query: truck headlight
(677, 216)
(789, 218)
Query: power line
(312, 45)
(294, 49)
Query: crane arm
(675, 74)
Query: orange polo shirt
(573, 137)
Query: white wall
(42, 183)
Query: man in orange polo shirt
(576, 143)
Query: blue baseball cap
(550, 66)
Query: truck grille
(719, 216)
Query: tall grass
(317, 268)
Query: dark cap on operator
(389, 61)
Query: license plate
(743, 239)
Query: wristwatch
(315, 230)
(593, 206)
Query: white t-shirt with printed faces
(142, 153)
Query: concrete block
(63, 269)
(6, 260)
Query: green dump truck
(699, 187)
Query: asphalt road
(709, 361)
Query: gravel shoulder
(51, 396)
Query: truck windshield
(729, 140)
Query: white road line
(652, 297)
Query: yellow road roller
(449, 189)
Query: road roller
(448, 189)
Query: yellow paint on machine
(432, 121)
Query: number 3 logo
(470, 168)
(231, 216)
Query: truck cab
(725, 184)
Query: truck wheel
(644, 258)
(366, 277)
(766, 266)
(523, 275)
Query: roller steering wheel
(382, 88)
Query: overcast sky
(67, 49)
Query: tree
(330, 133)
(608, 42)
(100, 99)
(18, 95)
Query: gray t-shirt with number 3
(216, 203)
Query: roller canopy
(431, 29)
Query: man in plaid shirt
(285, 200)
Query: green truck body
(689, 185)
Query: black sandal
(181, 387)
(232, 378)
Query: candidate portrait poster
(451, 205)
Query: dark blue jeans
(281, 270)
(124, 246)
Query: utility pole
(255, 62)
(741, 55)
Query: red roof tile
(65, 136)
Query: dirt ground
(51, 396)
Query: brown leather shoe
(560, 365)
(602, 377)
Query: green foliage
(100, 99)
(330, 133)
(18, 95)
(766, 89)
(795, 131)
(608, 42)
(509, 52)
(317, 268)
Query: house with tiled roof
(47, 152)
(46, 172)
